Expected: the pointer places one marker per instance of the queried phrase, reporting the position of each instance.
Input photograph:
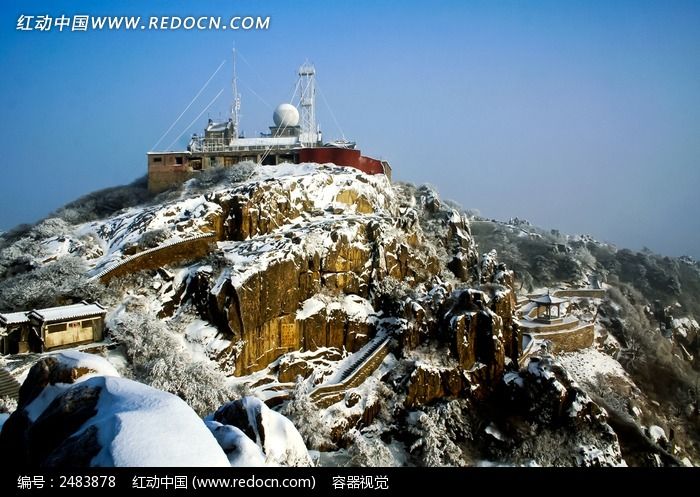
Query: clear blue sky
(577, 115)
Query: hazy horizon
(577, 116)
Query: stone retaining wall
(547, 328)
(190, 249)
(569, 340)
(589, 293)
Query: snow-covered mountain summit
(360, 309)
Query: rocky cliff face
(334, 233)
(309, 264)
(306, 257)
(361, 309)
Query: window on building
(57, 328)
(178, 161)
(74, 325)
(157, 159)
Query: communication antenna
(236, 106)
(306, 88)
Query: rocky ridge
(309, 263)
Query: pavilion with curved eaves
(545, 307)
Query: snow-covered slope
(297, 190)
(303, 267)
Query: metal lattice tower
(306, 88)
(236, 105)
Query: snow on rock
(298, 189)
(204, 341)
(315, 239)
(173, 221)
(489, 261)
(97, 366)
(546, 394)
(360, 399)
(546, 390)
(541, 369)
(55, 373)
(592, 456)
(514, 378)
(585, 365)
(273, 433)
(657, 434)
(141, 426)
(324, 184)
(240, 450)
(311, 307)
(338, 233)
(354, 307)
(685, 326)
(75, 411)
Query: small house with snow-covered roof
(41, 330)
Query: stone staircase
(357, 368)
(354, 370)
(9, 387)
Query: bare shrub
(152, 238)
(56, 283)
(306, 416)
(221, 176)
(159, 360)
(103, 203)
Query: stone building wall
(568, 340)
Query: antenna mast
(306, 85)
(236, 106)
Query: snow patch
(493, 430)
(657, 434)
(202, 340)
(310, 307)
(354, 307)
(585, 365)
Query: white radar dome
(286, 115)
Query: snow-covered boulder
(74, 411)
(240, 450)
(54, 374)
(274, 434)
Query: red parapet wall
(370, 165)
(322, 155)
(341, 157)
